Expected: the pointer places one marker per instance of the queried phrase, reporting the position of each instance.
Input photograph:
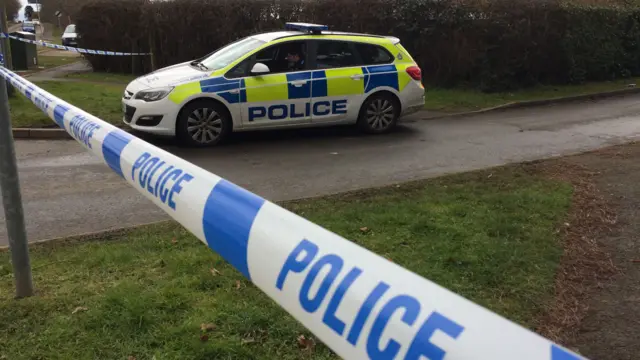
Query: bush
(115, 25)
(492, 45)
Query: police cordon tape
(70, 48)
(358, 303)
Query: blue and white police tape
(70, 48)
(358, 303)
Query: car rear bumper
(413, 98)
(412, 109)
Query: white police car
(304, 76)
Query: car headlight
(153, 94)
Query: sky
(21, 13)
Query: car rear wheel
(379, 114)
(203, 123)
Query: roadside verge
(536, 103)
(60, 134)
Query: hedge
(493, 45)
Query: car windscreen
(231, 53)
(70, 29)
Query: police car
(29, 26)
(301, 77)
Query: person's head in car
(294, 59)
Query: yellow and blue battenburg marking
(379, 76)
(299, 92)
(319, 88)
(226, 89)
(316, 84)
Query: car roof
(271, 36)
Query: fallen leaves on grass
(306, 343)
(174, 241)
(131, 357)
(204, 337)
(364, 230)
(238, 284)
(215, 272)
(207, 327)
(78, 309)
(584, 263)
(248, 340)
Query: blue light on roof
(305, 27)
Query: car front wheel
(203, 123)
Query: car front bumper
(69, 42)
(157, 117)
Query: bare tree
(12, 7)
(68, 8)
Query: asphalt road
(66, 191)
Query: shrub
(493, 45)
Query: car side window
(240, 70)
(373, 54)
(335, 54)
(285, 57)
(281, 58)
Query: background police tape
(358, 303)
(69, 48)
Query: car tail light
(415, 72)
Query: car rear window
(373, 54)
(335, 54)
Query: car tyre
(379, 114)
(203, 123)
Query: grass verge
(157, 292)
(48, 62)
(56, 35)
(101, 100)
(460, 100)
(102, 77)
(104, 90)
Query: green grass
(53, 61)
(459, 100)
(100, 93)
(101, 100)
(56, 35)
(102, 77)
(145, 294)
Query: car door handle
(236, 91)
(299, 83)
(357, 77)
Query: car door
(338, 81)
(281, 96)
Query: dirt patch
(598, 283)
(585, 263)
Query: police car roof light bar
(306, 27)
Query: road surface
(66, 191)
